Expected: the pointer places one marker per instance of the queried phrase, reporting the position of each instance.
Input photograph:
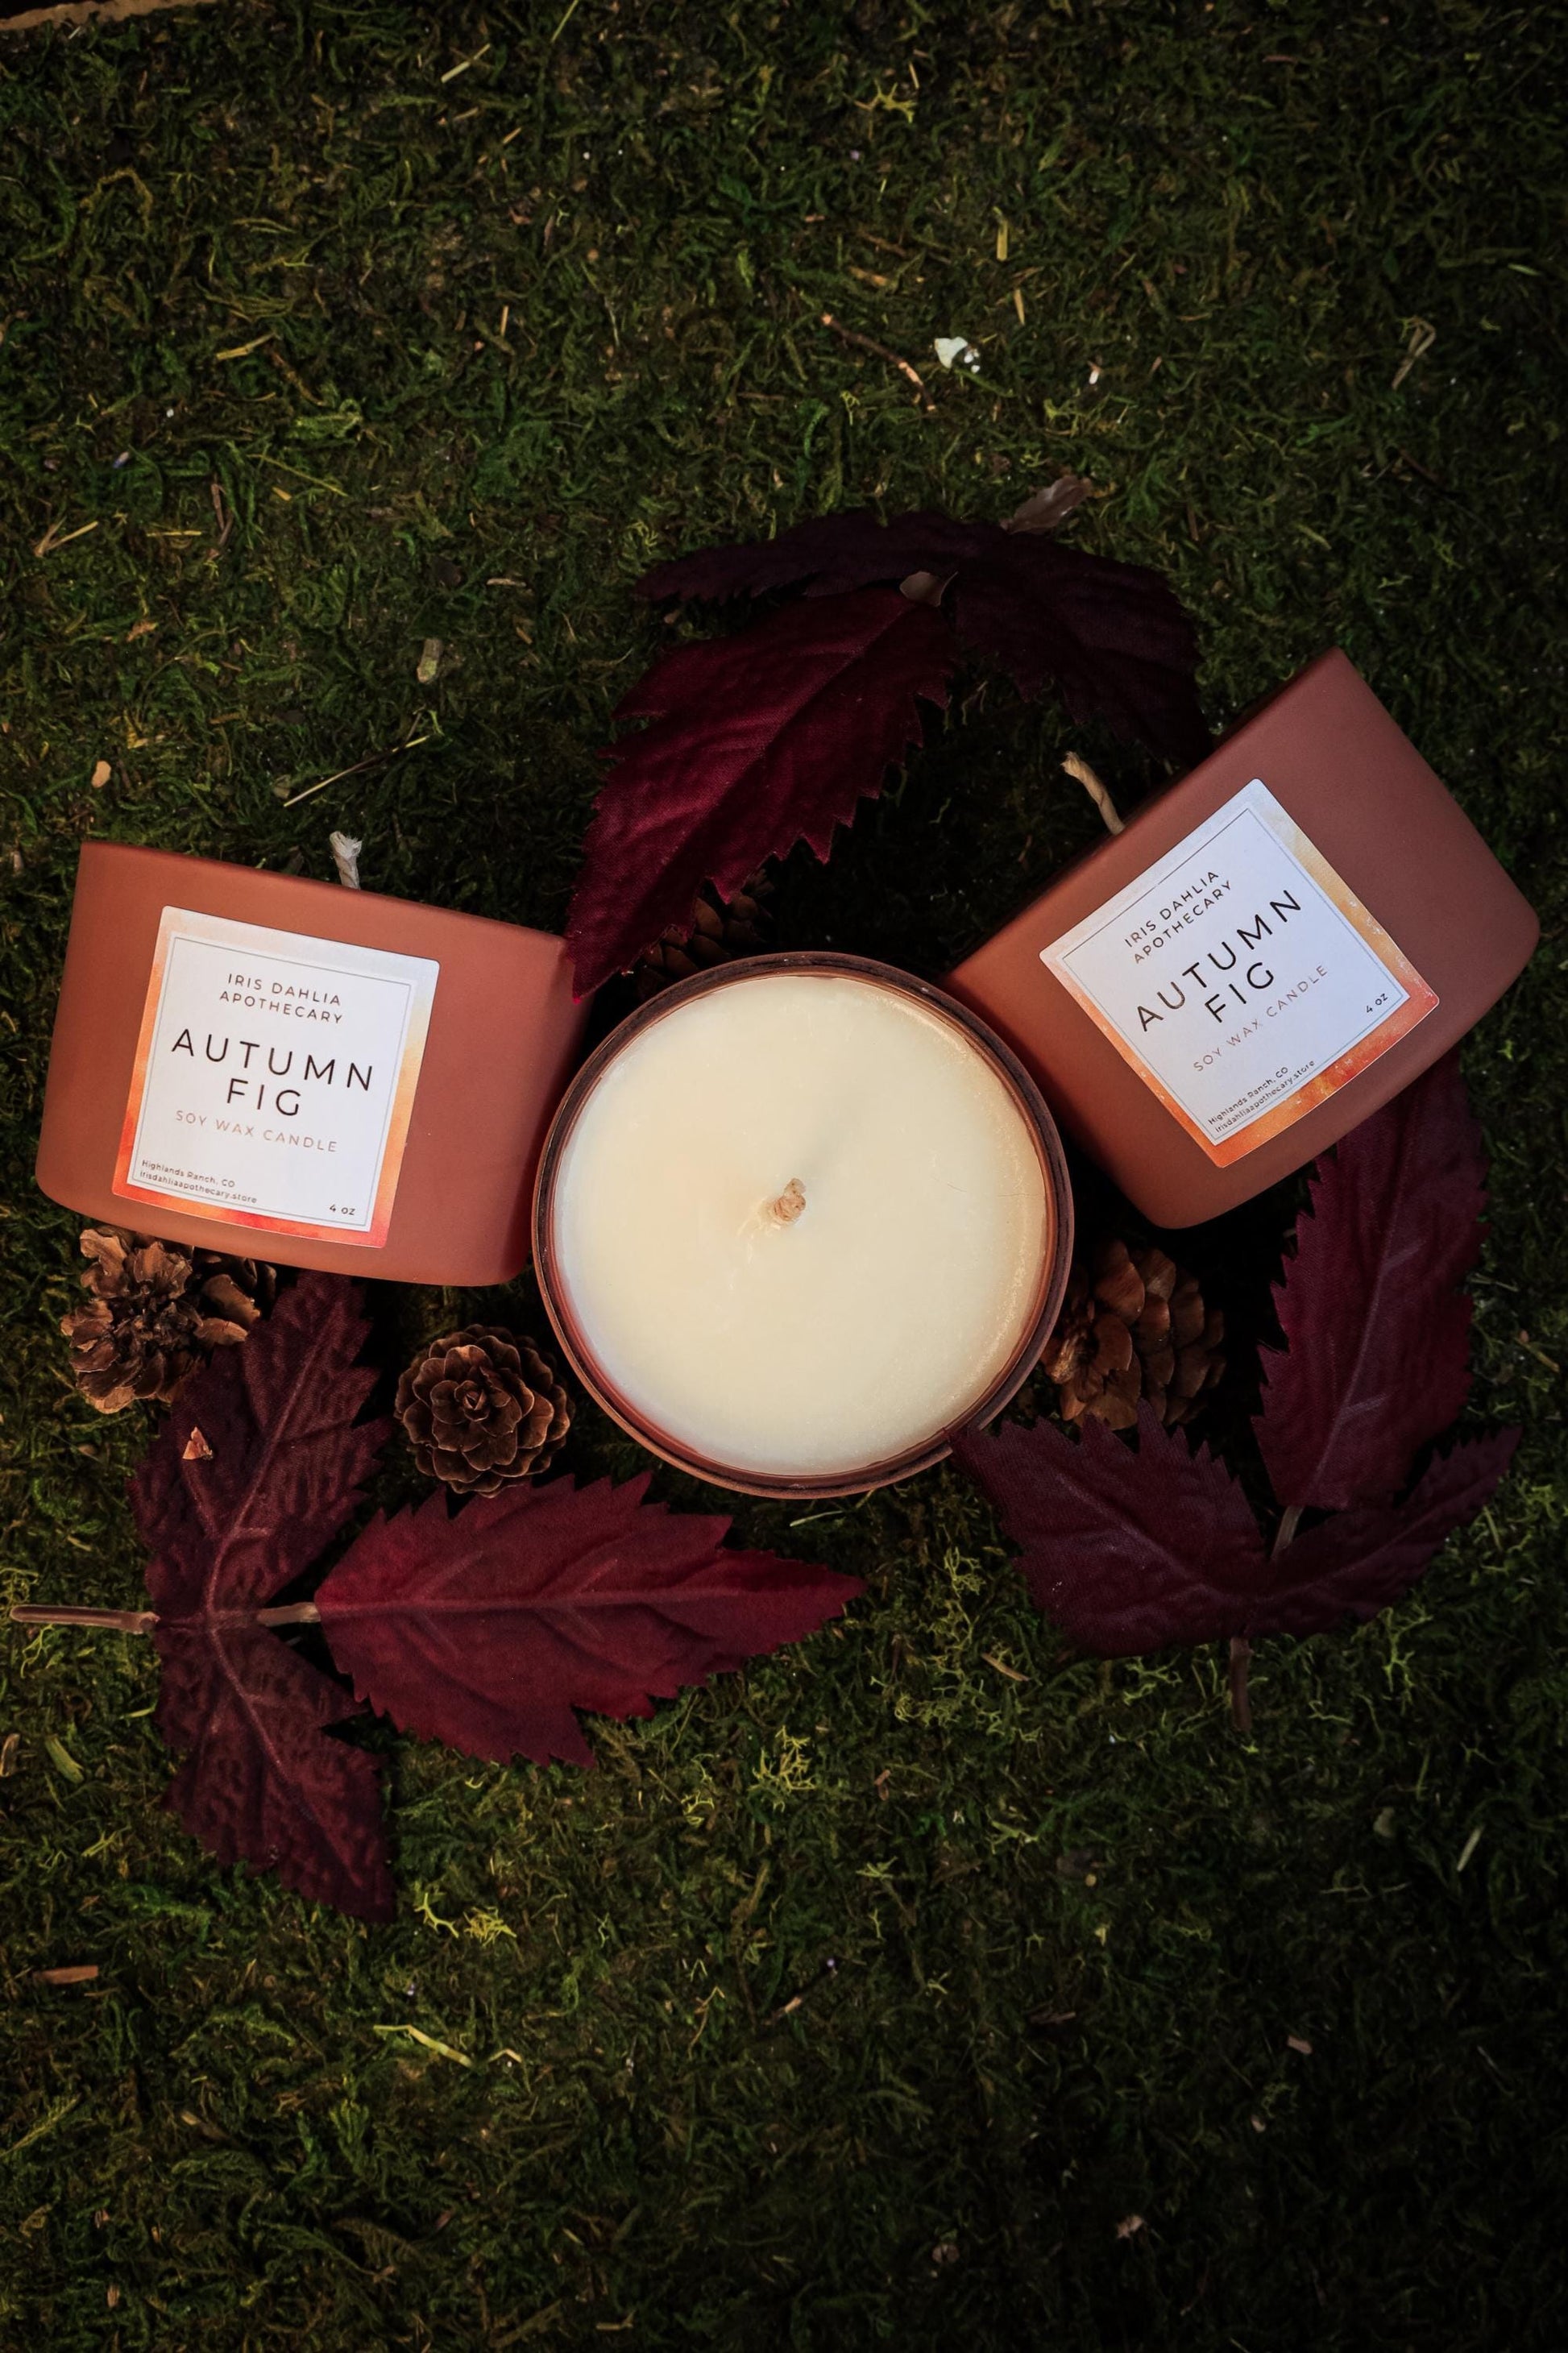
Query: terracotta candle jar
(797, 1218)
(1269, 951)
(288, 1069)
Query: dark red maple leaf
(1125, 1551)
(1359, 1562)
(757, 742)
(263, 1782)
(827, 554)
(490, 1629)
(1377, 1327)
(1111, 637)
(228, 1521)
(1130, 1551)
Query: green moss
(346, 327)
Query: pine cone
(482, 1408)
(1134, 1327)
(722, 932)
(155, 1311)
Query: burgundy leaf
(1125, 1551)
(1376, 1328)
(757, 742)
(488, 1629)
(263, 1782)
(1111, 637)
(228, 1523)
(828, 554)
(1361, 1561)
(283, 1462)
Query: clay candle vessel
(288, 1069)
(797, 1219)
(1269, 951)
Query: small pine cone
(482, 1408)
(155, 1311)
(723, 931)
(1133, 1327)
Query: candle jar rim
(326, 894)
(1055, 1261)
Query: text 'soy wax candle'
(797, 1219)
(288, 1069)
(1269, 951)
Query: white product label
(1241, 976)
(274, 1079)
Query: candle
(798, 1219)
(288, 1069)
(1270, 950)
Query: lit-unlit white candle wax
(819, 1343)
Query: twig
(1079, 769)
(293, 378)
(358, 769)
(55, 538)
(824, 1976)
(1403, 457)
(879, 350)
(462, 66)
(442, 2050)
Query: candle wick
(790, 1203)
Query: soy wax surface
(839, 1337)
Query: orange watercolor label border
(221, 931)
(1420, 999)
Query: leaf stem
(1240, 1697)
(141, 1622)
(1240, 1648)
(123, 1622)
(1285, 1532)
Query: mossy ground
(861, 1999)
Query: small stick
(878, 351)
(358, 769)
(1079, 769)
(790, 1203)
(54, 537)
